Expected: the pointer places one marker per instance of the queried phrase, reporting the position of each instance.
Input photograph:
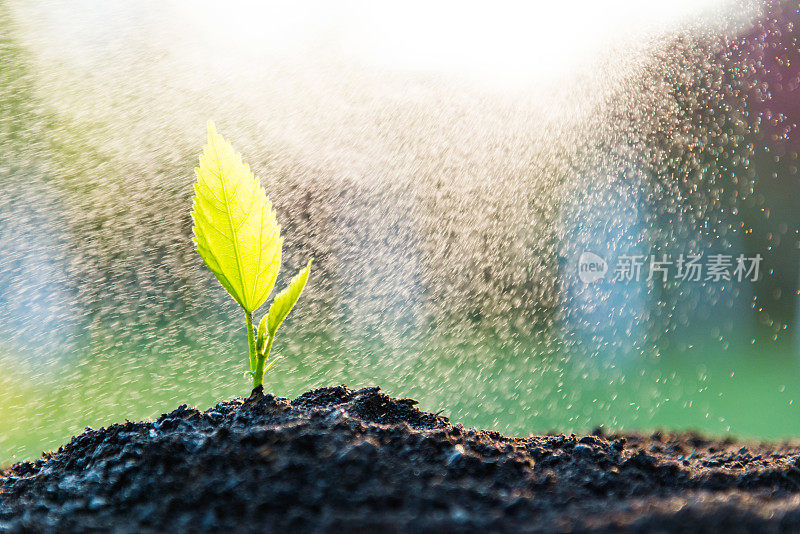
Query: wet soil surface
(338, 460)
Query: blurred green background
(446, 167)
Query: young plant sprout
(239, 239)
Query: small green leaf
(286, 300)
(235, 227)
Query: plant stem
(251, 340)
(258, 375)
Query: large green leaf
(235, 228)
(286, 300)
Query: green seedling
(238, 236)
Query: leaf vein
(230, 219)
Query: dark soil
(337, 460)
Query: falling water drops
(447, 186)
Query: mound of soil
(338, 460)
